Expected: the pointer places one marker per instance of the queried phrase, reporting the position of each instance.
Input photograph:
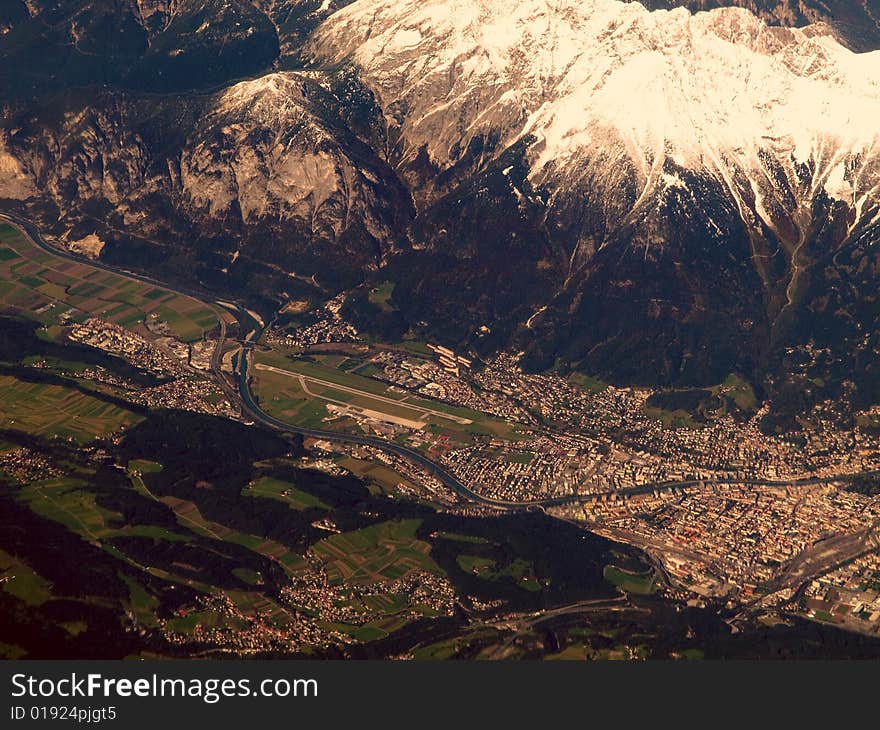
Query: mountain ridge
(656, 197)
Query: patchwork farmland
(53, 290)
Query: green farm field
(284, 492)
(381, 552)
(47, 287)
(52, 410)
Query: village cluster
(177, 365)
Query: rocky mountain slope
(680, 173)
(156, 45)
(614, 96)
(268, 172)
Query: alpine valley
(440, 328)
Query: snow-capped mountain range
(611, 92)
(649, 195)
(695, 173)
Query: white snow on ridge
(717, 90)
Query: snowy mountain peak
(607, 88)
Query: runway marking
(354, 391)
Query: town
(180, 367)
(730, 513)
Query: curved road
(251, 330)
